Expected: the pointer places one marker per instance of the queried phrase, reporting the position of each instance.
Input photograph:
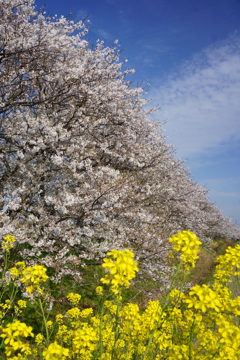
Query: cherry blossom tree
(83, 169)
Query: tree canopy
(82, 167)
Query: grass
(205, 267)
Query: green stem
(116, 330)
(164, 306)
(190, 339)
(3, 273)
(173, 283)
(45, 321)
(100, 334)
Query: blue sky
(189, 52)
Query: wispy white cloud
(201, 101)
(104, 35)
(82, 14)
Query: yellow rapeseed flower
(99, 290)
(16, 329)
(6, 305)
(121, 268)
(73, 313)
(49, 324)
(86, 312)
(8, 243)
(34, 275)
(188, 244)
(22, 303)
(11, 333)
(228, 264)
(59, 318)
(84, 340)
(55, 352)
(74, 298)
(203, 298)
(39, 339)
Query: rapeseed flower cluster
(188, 244)
(7, 243)
(55, 352)
(13, 334)
(74, 298)
(202, 297)
(34, 275)
(31, 276)
(121, 268)
(201, 323)
(228, 264)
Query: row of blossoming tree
(82, 168)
